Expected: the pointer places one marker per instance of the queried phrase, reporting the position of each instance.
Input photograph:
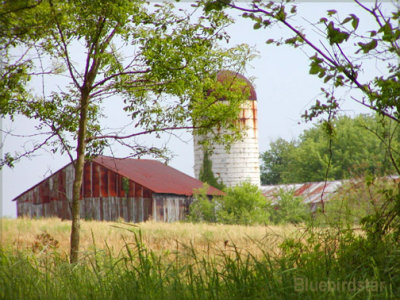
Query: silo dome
(241, 162)
(225, 76)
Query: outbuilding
(135, 190)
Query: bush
(202, 209)
(358, 199)
(243, 204)
(289, 208)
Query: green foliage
(276, 161)
(289, 209)
(202, 209)
(341, 149)
(206, 173)
(372, 203)
(243, 204)
(152, 57)
(354, 200)
(305, 265)
(351, 44)
(125, 185)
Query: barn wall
(105, 196)
(50, 197)
(170, 208)
(130, 209)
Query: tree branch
(376, 109)
(64, 46)
(28, 153)
(103, 81)
(116, 137)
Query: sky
(284, 91)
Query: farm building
(241, 162)
(133, 189)
(313, 193)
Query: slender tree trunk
(79, 164)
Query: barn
(135, 190)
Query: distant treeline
(343, 148)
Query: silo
(241, 162)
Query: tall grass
(23, 233)
(321, 264)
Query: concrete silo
(241, 162)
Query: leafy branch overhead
(158, 61)
(341, 51)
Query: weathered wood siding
(170, 208)
(104, 196)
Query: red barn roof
(154, 175)
(151, 174)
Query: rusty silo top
(241, 163)
(230, 76)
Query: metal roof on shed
(312, 192)
(154, 175)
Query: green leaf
(257, 26)
(335, 35)
(387, 32)
(346, 20)
(331, 12)
(355, 21)
(316, 68)
(327, 78)
(367, 47)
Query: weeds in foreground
(321, 264)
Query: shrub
(289, 208)
(243, 204)
(202, 209)
(357, 200)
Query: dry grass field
(26, 234)
(192, 261)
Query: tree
(354, 149)
(275, 161)
(339, 54)
(158, 61)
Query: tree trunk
(79, 164)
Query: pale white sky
(284, 90)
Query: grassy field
(193, 261)
(26, 234)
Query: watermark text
(305, 285)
